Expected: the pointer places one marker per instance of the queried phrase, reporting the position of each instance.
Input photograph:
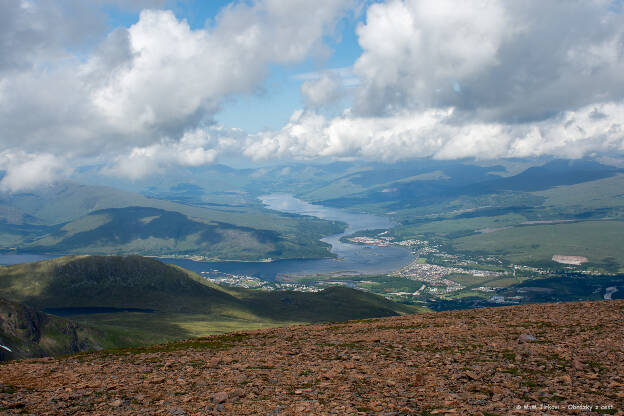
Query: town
(251, 282)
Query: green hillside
(522, 214)
(142, 300)
(109, 281)
(151, 231)
(598, 241)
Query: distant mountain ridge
(71, 218)
(386, 185)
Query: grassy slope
(150, 231)
(599, 241)
(583, 197)
(186, 305)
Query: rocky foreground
(536, 359)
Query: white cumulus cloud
(145, 87)
(483, 79)
(28, 171)
(501, 60)
(436, 133)
(325, 90)
(436, 78)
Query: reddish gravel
(494, 361)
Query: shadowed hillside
(26, 332)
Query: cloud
(512, 61)
(133, 4)
(37, 33)
(196, 147)
(435, 133)
(490, 79)
(178, 76)
(436, 78)
(28, 171)
(344, 74)
(145, 85)
(325, 90)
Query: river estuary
(352, 258)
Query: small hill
(26, 332)
(109, 281)
(144, 301)
(492, 361)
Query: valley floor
(530, 359)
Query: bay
(352, 258)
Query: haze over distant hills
(216, 213)
(69, 218)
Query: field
(130, 329)
(451, 227)
(594, 195)
(599, 241)
(583, 219)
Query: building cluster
(426, 250)
(372, 241)
(417, 269)
(506, 300)
(433, 275)
(411, 243)
(528, 269)
(251, 282)
(444, 286)
(487, 289)
(382, 240)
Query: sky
(134, 88)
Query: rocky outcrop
(530, 359)
(26, 332)
(21, 321)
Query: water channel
(351, 258)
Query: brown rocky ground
(486, 361)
